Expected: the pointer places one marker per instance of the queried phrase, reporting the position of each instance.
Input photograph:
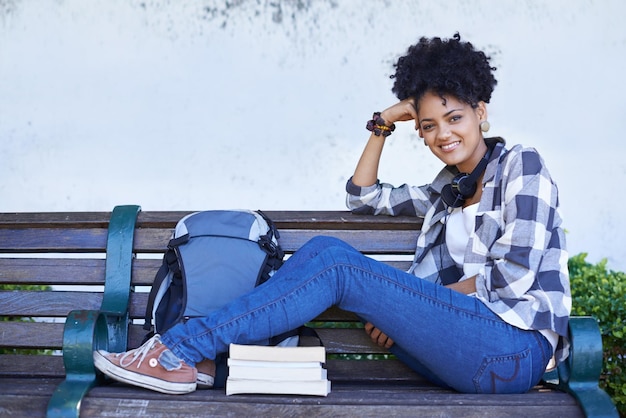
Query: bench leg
(595, 402)
(85, 331)
(78, 339)
(65, 401)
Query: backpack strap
(170, 263)
(273, 231)
(305, 331)
(267, 241)
(274, 252)
(156, 285)
(302, 331)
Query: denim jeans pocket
(510, 373)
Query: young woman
(484, 307)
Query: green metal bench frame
(107, 328)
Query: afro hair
(445, 67)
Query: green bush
(601, 293)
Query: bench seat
(97, 268)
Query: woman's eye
(426, 127)
(455, 118)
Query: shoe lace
(139, 352)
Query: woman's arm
(366, 195)
(366, 172)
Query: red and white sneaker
(151, 366)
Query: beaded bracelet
(378, 126)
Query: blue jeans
(450, 338)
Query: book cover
(276, 387)
(273, 353)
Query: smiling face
(451, 129)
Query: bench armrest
(106, 328)
(580, 372)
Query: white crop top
(459, 226)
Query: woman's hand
(377, 336)
(466, 287)
(400, 112)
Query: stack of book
(277, 370)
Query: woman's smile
(451, 146)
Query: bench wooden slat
(46, 304)
(377, 242)
(350, 407)
(31, 365)
(85, 271)
(70, 271)
(167, 219)
(392, 371)
(56, 304)
(52, 240)
(31, 404)
(52, 271)
(155, 240)
(336, 341)
(344, 401)
(55, 220)
(331, 220)
(18, 399)
(45, 335)
(59, 304)
(31, 335)
(348, 341)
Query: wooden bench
(99, 266)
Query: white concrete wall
(200, 105)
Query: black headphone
(464, 185)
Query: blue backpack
(213, 258)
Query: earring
(484, 126)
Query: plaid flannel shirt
(517, 245)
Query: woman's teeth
(450, 146)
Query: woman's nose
(444, 133)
